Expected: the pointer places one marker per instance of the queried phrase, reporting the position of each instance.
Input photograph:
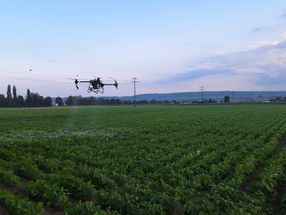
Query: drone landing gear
(92, 89)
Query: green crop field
(227, 159)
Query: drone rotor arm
(83, 81)
(114, 84)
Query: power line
(134, 81)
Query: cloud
(270, 80)
(260, 68)
(258, 29)
(281, 45)
(194, 74)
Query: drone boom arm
(76, 81)
(83, 81)
(114, 84)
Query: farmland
(221, 159)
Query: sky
(170, 46)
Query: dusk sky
(170, 46)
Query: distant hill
(218, 95)
(196, 96)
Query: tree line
(79, 100)
(12, 99)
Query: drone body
(95, 85)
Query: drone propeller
(116, 84)
(76, 83)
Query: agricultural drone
(95, 85)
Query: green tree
(226, 99)
(59, 101)
(48, 101)
(69, 101)
(36, 100)
(14, 92)
(15, 97)
(2, 100)
(28, 98)
(20, 101)
(9, 92)
(9, 96)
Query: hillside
(218, 95)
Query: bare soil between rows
(3, 211)
(248, 185)
(277, 201)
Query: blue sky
(170, 46)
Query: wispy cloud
(263, 67)
(258, 29)
(194, 74)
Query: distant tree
(92, 100)
(59, 101)
(34, 99)
(41, 101)
(20, 101)
(14, 93)
(2, 100)
(37, 100)
(9, 92)
(28, 98)
(48, 101)
(115, 101)
(226, 99)
(9, 96)
(31, 100)
(128, 102)
(69, 101)
(138, 102)
(212, 101)
(15, 97)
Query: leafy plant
(19, 206)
